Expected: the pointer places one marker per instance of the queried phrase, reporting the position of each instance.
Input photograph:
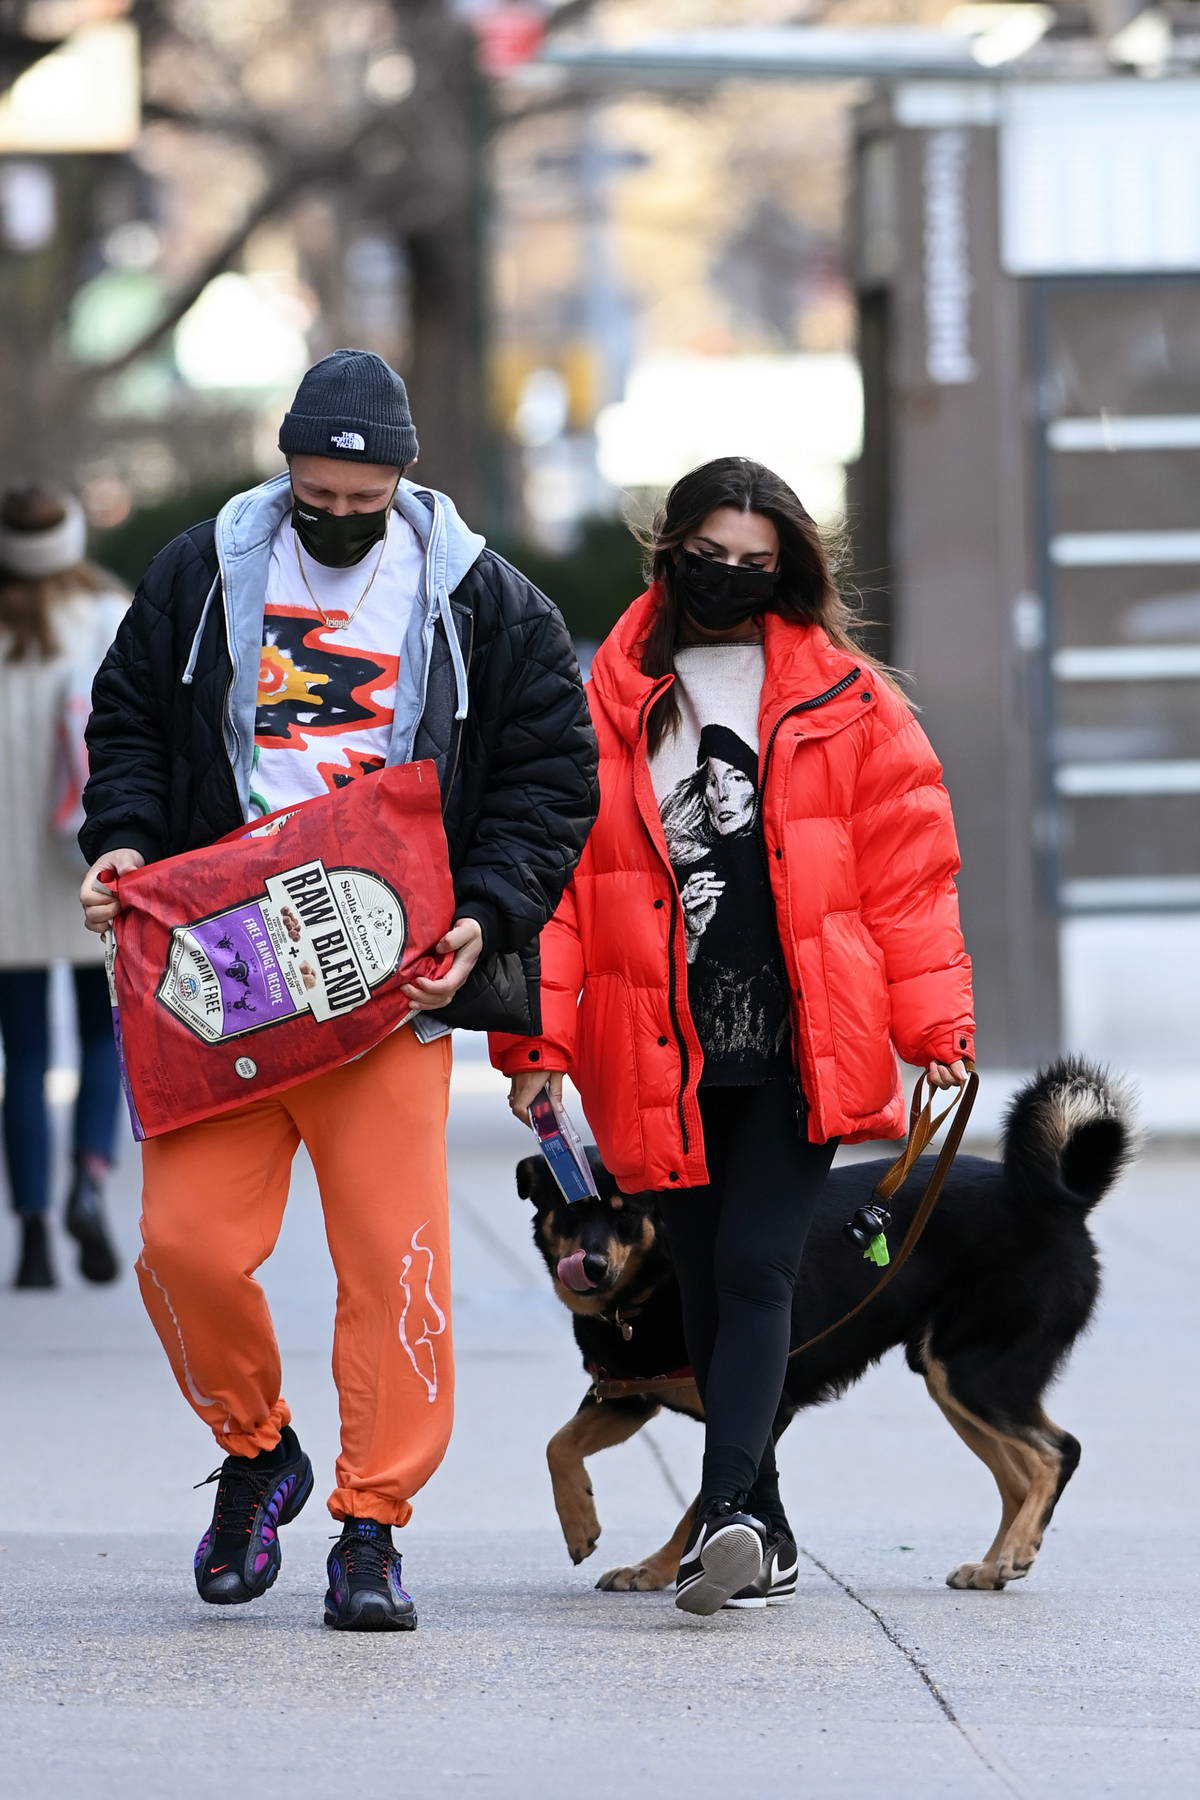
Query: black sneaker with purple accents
(238, 1557)
(365, 1589)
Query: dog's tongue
(572, 1273)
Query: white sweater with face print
(705, 779)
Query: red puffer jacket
(862, 854)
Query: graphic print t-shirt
(706, 782)
(326, 698)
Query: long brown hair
(28, 602)
(807, 592)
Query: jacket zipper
(794, 996)
(225, 708)
(226, 713)
(672, 978)
(803, 706)
(462, 723)
(672, 1008)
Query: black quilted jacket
(518, 774)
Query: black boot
(34, 1268)
(88, 1226)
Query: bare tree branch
(241, 127)
(572, 13)
(563, 99)
(566, 99)
(281, 191)
(419, 204)
(273, 199)
(407, 169)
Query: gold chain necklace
(339, 624)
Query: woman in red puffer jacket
(765, 907)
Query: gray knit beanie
(351, 404)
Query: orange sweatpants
(212, 1206)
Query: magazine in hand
(562, 1148)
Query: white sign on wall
(947, 258)
(1100, 177)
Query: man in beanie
(333, 620)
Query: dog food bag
(279, 952)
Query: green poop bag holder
(868, 1227)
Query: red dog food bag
(279, 952)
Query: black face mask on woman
(717, 596)
(338, 540)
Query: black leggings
(736, 1246)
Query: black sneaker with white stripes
(776, 1581)
(724, 1557)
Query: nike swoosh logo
(218, 1568)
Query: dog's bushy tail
(1072, 1129)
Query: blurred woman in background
(58, 615)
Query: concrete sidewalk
(523, 1681)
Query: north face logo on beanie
(351, 404)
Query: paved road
(523, 1683)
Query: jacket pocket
(606, 1068)
(859, 1013)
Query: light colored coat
(41, 920)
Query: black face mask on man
(338, 540)
(717, 596)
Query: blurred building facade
(1028, 266)
(1025, 258)
(934, 262)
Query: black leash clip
(867, 1228)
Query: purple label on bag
(248, 981)
(317, 940)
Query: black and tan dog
(987, 1309)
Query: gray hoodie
(245, 528)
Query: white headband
(33, 554)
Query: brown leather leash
(618, 1387)
(923, 1126)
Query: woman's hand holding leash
(100, 905)
(944, 1075)
(523, 1087)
